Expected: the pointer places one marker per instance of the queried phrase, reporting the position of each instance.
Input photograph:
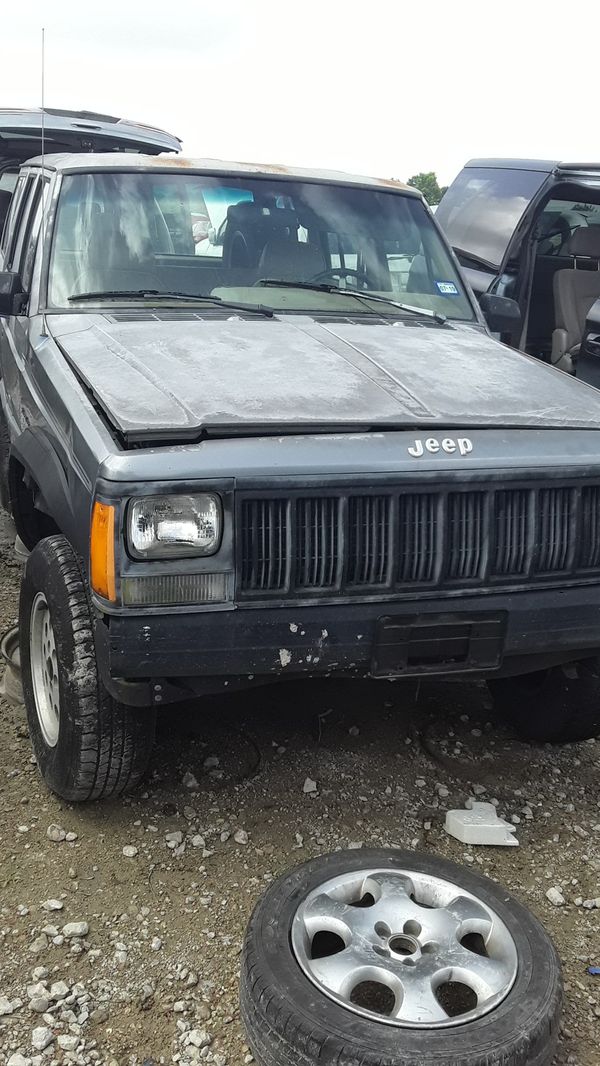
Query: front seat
(287, 259)
(575, 291)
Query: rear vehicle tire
(86, 744)
(291, 1019)
(555, 706)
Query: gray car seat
(574, 293)
(287, 259)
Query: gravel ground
(121, 923)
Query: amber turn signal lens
(102, 551)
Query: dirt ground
(160, 958)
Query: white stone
(199, 1038)
(39, 1005)
(67, 1042)
(309, 786)
(189, 781)
(72, 929)
(555, 896)
(240, 836)
(41, 1038)
(155, 943)
(53, 905)
(18, 1060)
(56, 833)
(130, 851)
(6, 1006)
(59, 990)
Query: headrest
(585, 241)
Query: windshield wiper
(324, 287)
(155, 294)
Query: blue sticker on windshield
(447, 288)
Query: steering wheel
(339, 272)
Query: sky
(384, 87)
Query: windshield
(480, 211)
(196, 234)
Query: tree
(427, 183)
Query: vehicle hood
(187, 374)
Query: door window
(483, 207)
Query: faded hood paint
(159, 379)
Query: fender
(34, 450)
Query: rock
(18, 1060)
(198, 841)
(130, 851)
(99, 1015)
(38, 945)
(212, 762)
(174, 838)
(40, 973)
(198, 1038)
(155, 943)
(6, 1006)
(41, 1038)
(59, 990)
(354, 731)
(39, 1005)
(240, 836)
(189, 781)
(219, 1060)
(52, 905)
(56, 833)
(37, 990)
(70, 837)
(309, 786)
(555, 896)
(67, 1042)
(75, 929)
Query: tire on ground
(103, 747)
(553, 706)
(290, 1022)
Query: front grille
(394, 541)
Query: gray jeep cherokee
(255, 428)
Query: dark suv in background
(530, 229)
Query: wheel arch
(38, 486)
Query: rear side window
(483, 207)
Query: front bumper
(160, 658)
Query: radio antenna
(43, 89)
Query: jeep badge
(462, 444)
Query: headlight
(175, 526)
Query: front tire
(86, 744)
(556, 706)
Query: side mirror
(11, 293)
(502, 314)
(591, 336)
